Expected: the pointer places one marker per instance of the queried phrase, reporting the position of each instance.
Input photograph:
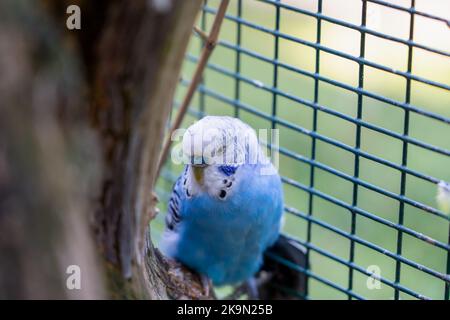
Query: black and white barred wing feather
(173, 216)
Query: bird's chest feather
(231, 203)
(227, 236)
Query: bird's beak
(198, 172)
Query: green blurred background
(391, 54)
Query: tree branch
(117, 74)
(208, 48)
(140, 55)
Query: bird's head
(219, 141)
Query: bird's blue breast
(225, 239)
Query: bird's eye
(222, 194)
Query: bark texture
(81, 127)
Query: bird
(226, 207)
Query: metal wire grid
(353, 207)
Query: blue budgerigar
(226, 206)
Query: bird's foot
(237, 292)
(251, 287)
(206, 285)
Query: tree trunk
(81, 127)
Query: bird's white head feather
(220, 140)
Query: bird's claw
(206, 285)
(251, 287)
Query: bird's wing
(173, 216)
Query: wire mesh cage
(360, 93)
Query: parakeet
(443, 196)
(226, 207)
